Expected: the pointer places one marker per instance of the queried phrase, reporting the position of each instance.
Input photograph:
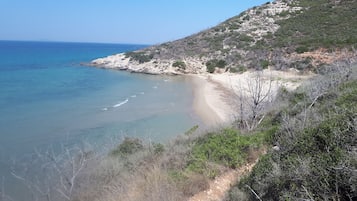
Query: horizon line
(87, 42)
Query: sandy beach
(215, 95)
(209, 102)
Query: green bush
(301, 49)
(211, 69)
(192, 130)
(264, 64)
(158, 148)
(245, 38)
(179, 64)
(240, 69)
(228, 148)
(212, 64)
(128, 146)
(141, 57)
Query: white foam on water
(121, 103)
(133, 96)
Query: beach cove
(215, 96)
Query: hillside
(314, 148)
(283, 34)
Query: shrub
(140, 57)
(246, 18)
(228, 148)
(192, 130)
(211, 64)
(128, 147)
(301, 49)
(211, 69)
(158, 148)
(246, 38)
(179, 64)
(264, 64)
(239, 69)
(195, 184)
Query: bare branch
(255, 194)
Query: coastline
(215, 96)
(210, 101)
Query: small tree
(252, 100)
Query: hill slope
(299, 34)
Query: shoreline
(215, 96)
(209, 101)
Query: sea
(49, 97)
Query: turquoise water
(47, 97)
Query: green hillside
(315, 144)
(267, 35)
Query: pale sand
(209, 102)
(215, 95)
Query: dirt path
(220, 186)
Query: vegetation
(212, 64)
(240, 69)
(227, 147)
(304, 26)
(211, 69)
(264, 64)
(316, 140)
(179, 64)
(322, 23)
(140, 57)
(128, 147)
(302, 49)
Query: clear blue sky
(113, 21)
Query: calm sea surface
(47, 98)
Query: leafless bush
(3, 195)
(53, 175)
(253, 100)
(195, 184)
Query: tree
(252, 100)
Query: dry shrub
(195, 184)
(145, 183)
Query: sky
(113, 21)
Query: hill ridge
(266, 36)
